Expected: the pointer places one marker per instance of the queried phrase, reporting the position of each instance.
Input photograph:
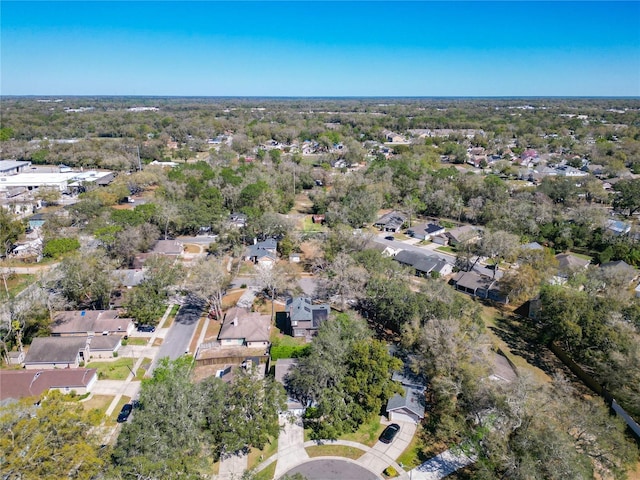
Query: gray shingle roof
(55, 349)
(412, 401)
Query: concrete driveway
(291, 450)
(381, 455)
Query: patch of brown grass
(231, 298)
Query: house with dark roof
(17, 384)
(424, 264)
(304, 318)
(409, 407)
(391, 222)
(90, 323)
(425, 231)
(477, 285)
(244, 328)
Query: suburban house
(424, 264)
(56, 352)
(425, 231)
(283, 366)
(238, 220)
(244, 328)
(168, 247)
(69, 352)
(17, 384)
(303, 317)
(262, 252)
(90, 323)
(390, 222)
(569, 264)
(129, 277)
(621, 268)
(457, 235)
(480, 286)
(409, 407)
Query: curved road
(333, 469)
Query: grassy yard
(137, 341)
(334, 451)
(15, 284)
(99, 402)
(114, 415)
(444, 249)
(582, 256)
(309, 227)
(267, 473)
(117, 370)
(144, 367)
(413, 455)
(256, 457)
(367, 434)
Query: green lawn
(309, 226)
(412, 455)
(267, 473)
(582, 256)
(114, 415)
(117, 370)
(444, 249)
(334, 451)
(256, 457)
(367, 434)
(137, 341)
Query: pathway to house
(291, 453)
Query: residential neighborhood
(295, 299)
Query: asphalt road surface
(333, 469)
(177, 340)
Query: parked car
(146, 328)
(390, 433)
(389, 237)
(125, 412)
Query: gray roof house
(424, 264)
(425, 231)
(390, 222)
(283, 366)
(303, 317)
(57, 352)
(480, 286)
(261, 250)
(129, 277)
(409, 407)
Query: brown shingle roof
(84, 321)
(26, 383)
(240, 323)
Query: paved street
(333, 469)
(177, 340)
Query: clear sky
(268, 48)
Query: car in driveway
(389, 433)
(146, 328)
(125, 412)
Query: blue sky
(307, 48)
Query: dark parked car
(146, 328)
(125, 412)
(389, 237)
(390, 433)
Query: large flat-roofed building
(61, 181)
